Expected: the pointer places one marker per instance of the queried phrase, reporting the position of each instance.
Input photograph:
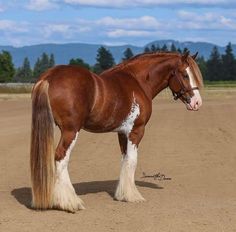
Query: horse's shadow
(23, 195)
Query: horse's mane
(196, 71)
(138, 57)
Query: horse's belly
(104, 121)
(101, 127)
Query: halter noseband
(182, 91)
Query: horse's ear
(185, 56)
(195, 55)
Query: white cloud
(146, 22)
(208, 20)
(12, 26)
(227, 22)
(41, 5)
(128, 33)
(101, 3)
(114, 43)
(206, 17)
(114, 30)
(64, 29)
(122, 27)
(149, 3)
(5, 24)
(2, 7)
(50, 29)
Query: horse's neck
(154, 77)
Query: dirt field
(197, 150)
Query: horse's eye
(186, 76)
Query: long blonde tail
(42, 161)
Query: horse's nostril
(188, 100)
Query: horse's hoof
(135, 199)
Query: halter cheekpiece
(182, 91)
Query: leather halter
(182, 91)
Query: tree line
(216, 68)
(8, 73)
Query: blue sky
(115, 22)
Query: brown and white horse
(119, 100)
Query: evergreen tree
(147, 50)
(202, 66)
(24, 73)
(179, 50)
(128, 54)
(158, 49)
(214, 66)
(173, 48)
(42, 64)
(164, 48)
(228, 64)
(7, 69)
(51, 61)
(104, 59)
(79, 62)
(37, 69)
(185, 50)
(153, 48)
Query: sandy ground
(196, 150)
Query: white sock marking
(64, 194)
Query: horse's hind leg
(126, 189)
(64, 196)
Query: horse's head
(184, 82)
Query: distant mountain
(64, 52)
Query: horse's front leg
(126, 189)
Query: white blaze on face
(196, 100)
